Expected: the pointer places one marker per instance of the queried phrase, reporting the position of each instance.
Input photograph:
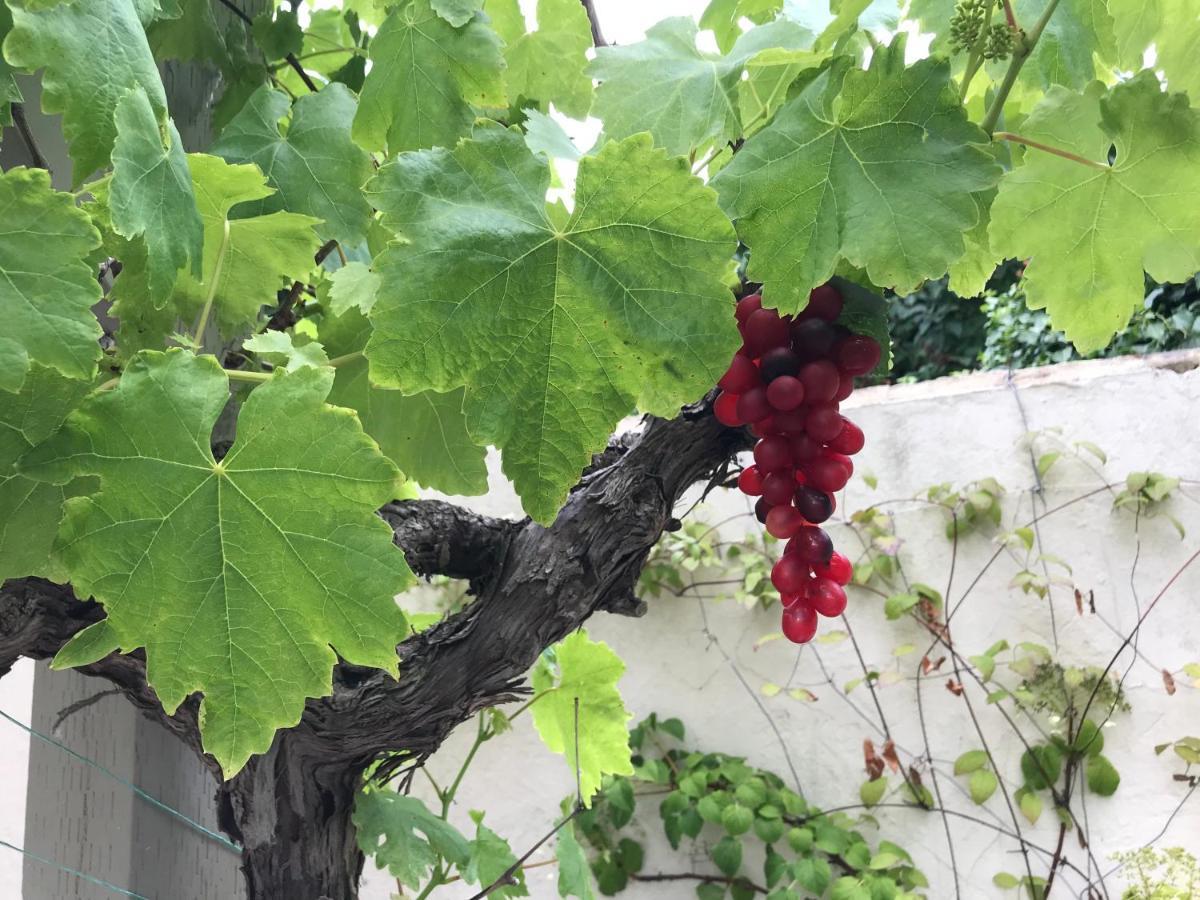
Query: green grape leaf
(192, 36)
(151, 194)
(546, 136)
(723, 18)
(620, 303)
(969, 274)
(315, 167)
(574, 873)
(278, 35)
(233, 575)
(86, 647)
(586, 671)
(93, 53)
(1075, 34)
(424, 434)
(387, 825)
(1171, 26)
(1091, 231)
(457, 12)
(245, 260)
(727, 854)
(686, 98)
(280, 349)
(32, 509)
(47, 287)
(425, 75)
(548, 64)
(354, 285)
(490, 858)
(880, 166)
(9, 92)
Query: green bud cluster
(970, 17)
(998, 43)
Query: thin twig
(589, 7)
(1046, 148)
(22, 126)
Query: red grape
(753, 405)
(784, 521)
(787, 600)
(841, 459)
(823, 303)
(845, 388)
(790, 574)
(826, 474)
(838, 569)
(725, 409)
(826, 597)
(761, 508)
(785, 393)
(750, 482)
(741, 376)
(780, 361)
(849, 440)
(773, 453)
(747, 305)
(810, 544)
(764, 426)
(823, 423)
(816, 506)
(792, 421)
(799, 623)
(813, 338)
(820, 380)
(805, 448)
(764, 331)
(778, 487)
(857, 354)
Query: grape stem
(202, 323)
(1046, 148)
(1025, 42)
(1009, 15)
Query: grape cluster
(786, 382)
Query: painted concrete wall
(1143, 413)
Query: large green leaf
(1077, 32)
(1090, 232)
(93, 51)
(583, 676)
(315, 167)
(491, 857)
(879, 167)
(558, 325)
(47, 288)
(241, 578)
(32, 509)
(548, 64)
(574, 874)
(151, 194)
(387, 824)
(425, 76)
(1171, 26)
(425, 434)
(193, 35)
(245, 260)
(686, 98)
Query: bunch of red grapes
(786, 382)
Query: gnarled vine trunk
(290, 808)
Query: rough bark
(290, 808)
